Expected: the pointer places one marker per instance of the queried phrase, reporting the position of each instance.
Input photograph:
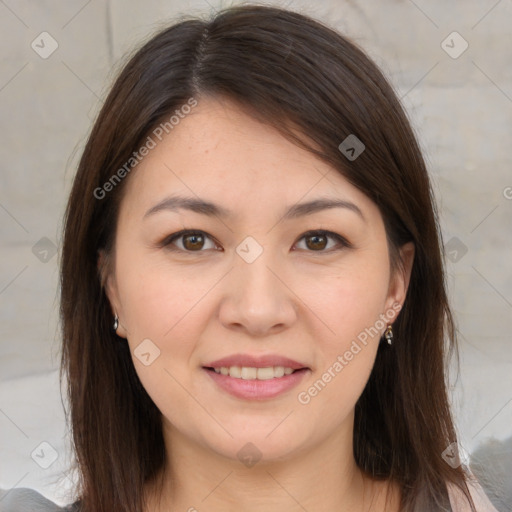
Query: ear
(108, 282)
(399, 281)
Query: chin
(258, 444)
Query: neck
(321, 479)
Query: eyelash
(168, 241)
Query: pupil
(196, 241)
(317, 237)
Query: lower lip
(257, 389)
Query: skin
(298, 299)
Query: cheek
(353, 305)
(350, 304)
(163, 305)
(158, 300)
(352, 300)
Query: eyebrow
(174, 203)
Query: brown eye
(317, 241)
(197, 241)
(191, 241)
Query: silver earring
(389, 335)
(116, 322)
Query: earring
(116, 322)
(389, 335)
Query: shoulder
(24, 499)
(459, 502)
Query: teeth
(278, 371)
(235, 371)
(248, 373)
(266, 373)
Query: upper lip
(263, 361)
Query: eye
(192, 241)
(318, 240)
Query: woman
(253, 299)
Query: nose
(257, 299)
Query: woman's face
(251, 283)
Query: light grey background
(461, 109)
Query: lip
(256, 389)
(263, 361)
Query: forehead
(220, 153)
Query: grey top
(23, 499)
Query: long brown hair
(316, 87)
